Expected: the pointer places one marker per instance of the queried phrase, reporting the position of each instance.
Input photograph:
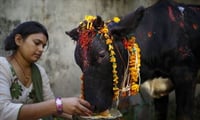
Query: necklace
(26, 77)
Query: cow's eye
(102, 56)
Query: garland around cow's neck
(130, 84)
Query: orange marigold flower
(114, 65)
(106, 36)
(114, 72)
(112, 53)
(112, 59)
(115, 88)
(134, 89)
(110, 47)
(129, 48)
(108, 41)
(104, 30)
(115, 79)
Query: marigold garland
(130, 84)
(109, 42)
(133, 67)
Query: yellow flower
(135, 88)
(116, 19)
(89, 18)
(114, 65)
(112, 53)
(112, 59)
(106, 36)
(115, 81)
(110, 47)
(104, 30)
(115, 88)
(114, 71)
(108, 41)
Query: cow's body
(168, 35)
(169, 44)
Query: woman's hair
(24, 29)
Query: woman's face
(32, 47)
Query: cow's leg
(161, 107)
(184, 80)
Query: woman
(25, 92)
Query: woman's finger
(83, 107)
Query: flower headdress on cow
(130, 84)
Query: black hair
(24, 29)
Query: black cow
(168, 34)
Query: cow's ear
(74, 34)
(98, 23)
(128, 23)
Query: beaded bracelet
(59, 105)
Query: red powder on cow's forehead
(86, 37)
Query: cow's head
(103, 65)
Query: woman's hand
(76, 106)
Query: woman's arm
(37, 110)
(71, 106)
(14, 111)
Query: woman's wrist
(59, 105)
